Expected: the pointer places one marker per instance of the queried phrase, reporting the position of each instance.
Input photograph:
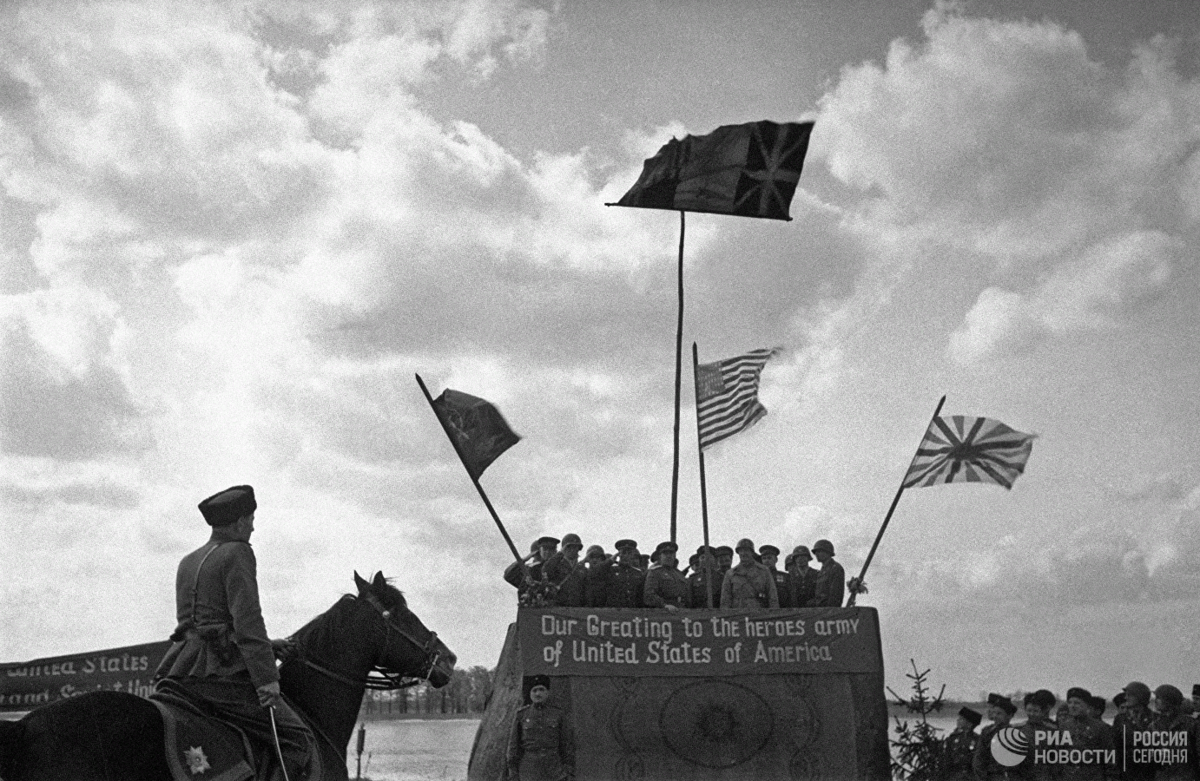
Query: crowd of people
(628, 578)
(1152, 736)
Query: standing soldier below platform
(959, 747)
(594, 577)
(770, 557)
(221, 653)
(1087, 732)
(704, 580)
(623, 578)
(749, 584)
(564, 573)
(1038, 707)
(831, 580)
(665, 585)
(1168, 701)
(541, 746)
(1000, 711)
(802, 579)
(1136, 717)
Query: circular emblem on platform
(715, 723)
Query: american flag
(963, 449)
(727, 396)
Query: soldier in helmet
(594, 577)
(1136, 718)
(541, 746)
(802, 579)
(770, 556)
(748, 584)
(564, 573)
(665, 586)
(1000, 711)
(960, 745)
(1168, 701)
(221, 653)
(830, 587)
(624, 578)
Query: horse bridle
(379, 678)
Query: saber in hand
(278, 748)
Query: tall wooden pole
(703, 488)
(678, 383)
(486, 502)
(862, 574)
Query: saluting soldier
(1000, 711)
(770, 557)
(532, 590)
(749, 584)
(802, 579)
(830, 587)
(623, 578)
(959, 748)
(541, 746)
(564, 573)
(221, 653)
(705, 579)
(665, 586)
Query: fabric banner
(617, 642)
(28, 685)
(477, 427)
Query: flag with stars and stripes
(963, 449)
(727, 396)
(749, 170)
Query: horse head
(408, 648)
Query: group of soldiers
(1152, 736)
(549, 576)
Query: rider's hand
(283, 648)
(268, 694)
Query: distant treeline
(467, 693)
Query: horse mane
(320, 633)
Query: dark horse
(369, 639)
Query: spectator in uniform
(1168, 701)
(704, 579)
(623, 578)
(749, 584)
(1038, 707)
(831, 580)
(1136, 717)
(770, 557)
(1087, 732)
(665, 586)
(1119, 701)
(1000, 711)
(594, 594)
(532, 589)
(564, 573)
(541, 746)
(802, 579)
(959, 748)
(724, 561)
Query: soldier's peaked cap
(667, 545)
(765, 549)
(1000, 701)
(1137, 691)
(702, 548)
(547, 541)
(824, 545)
(224, 508)
(571, 539)
(971, 715)
(625, 545)
(724, 549)
(1119, 700)
(1079, 692)
(539, 680)
(745, 543)
(1043, 698)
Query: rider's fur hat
(224, 508)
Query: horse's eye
(387, 614)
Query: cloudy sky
(232, 233)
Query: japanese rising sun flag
(962, 449)
(749, 170)
(479, 431)
(727, 396)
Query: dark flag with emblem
(479, 431)
(727, 396)
(963, 449)
(749, 170)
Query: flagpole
(703, 490)
(474, 479)
(888, 517)
(678, 383)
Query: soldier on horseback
(221, 652)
